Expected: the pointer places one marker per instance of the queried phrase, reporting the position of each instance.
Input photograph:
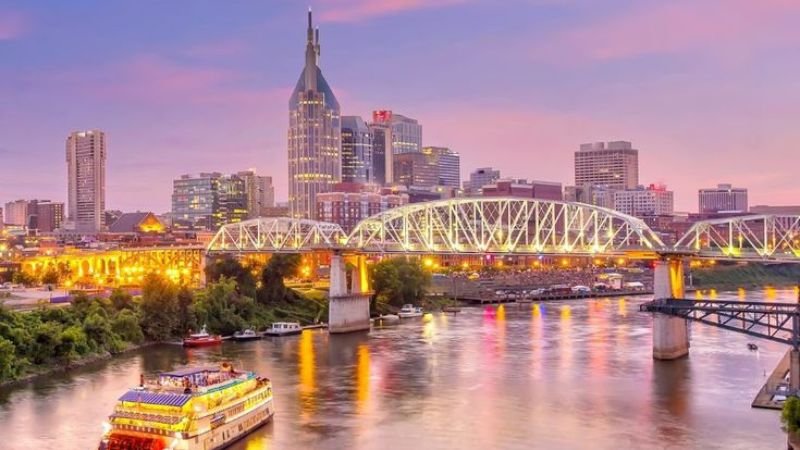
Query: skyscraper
(448, 164)
(314, 134)
(416, 169)
(406, 133)
(614, 165)
(86, 175)
(382, 161)
(195, 200)
(356, 151)
(260, 193)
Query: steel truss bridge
(516, 226)
(779, 322)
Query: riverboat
(284, 329)
(206, 408)
(246, 335)
(202, 339)
(409, 311)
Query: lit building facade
(614, 165)
(357, 163)
(86, 177)
(416, 169)
(448, 165)
(406, 135)
(644, 202)
(232, 201)
(723, 198)
(195, 200)
(314, 134)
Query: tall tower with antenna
(314, 134)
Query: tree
(126, 326)
(273, 289)
(224, 309)
(98, 330)
(8, 360)
(187, 318)
(51, 276)
(46, 338)
(121, 300)
(790, 415)
(23, 278)
(159, 307)
(397, 281)
(73, 343)
(231, 268)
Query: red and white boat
(202, 339)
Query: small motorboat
(246, 335)
(451, 309)
(751, 346)
(202, 339)
(284, 329)
(387, 318)
(408, 311)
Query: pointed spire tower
(314, 133)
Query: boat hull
(409, 315)
(246, 338)
(282, 333)
(201, 343)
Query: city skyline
(179, 95)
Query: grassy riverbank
(747, 276)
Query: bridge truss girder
(779, 322)
(503, 226)
(277, 235)
(756, 237)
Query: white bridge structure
(458, 226)
(515, 226)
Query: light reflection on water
(573, 374)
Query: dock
(776, 384)
(491, 298)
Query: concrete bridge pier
(348, 310)
(670, 334)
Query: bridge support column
(670, 334)
(348, 311)
(794, 370)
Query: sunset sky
(707, 90)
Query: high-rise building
(479, 178)
(195, 200)
(314, 134)
(614, 165)
(416, 169)
(86, 175)
(723, 198)
(645, 202)
(357, 165)
(382, 160)
(232, 200)
(260, 193)
(16, 213)
(448, 164)
(406, 132)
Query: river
(567, 375)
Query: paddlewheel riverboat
(189, 409)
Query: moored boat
(246, 335)
(284, 329)
(202, 339)
(408, 311)
(189, 409)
